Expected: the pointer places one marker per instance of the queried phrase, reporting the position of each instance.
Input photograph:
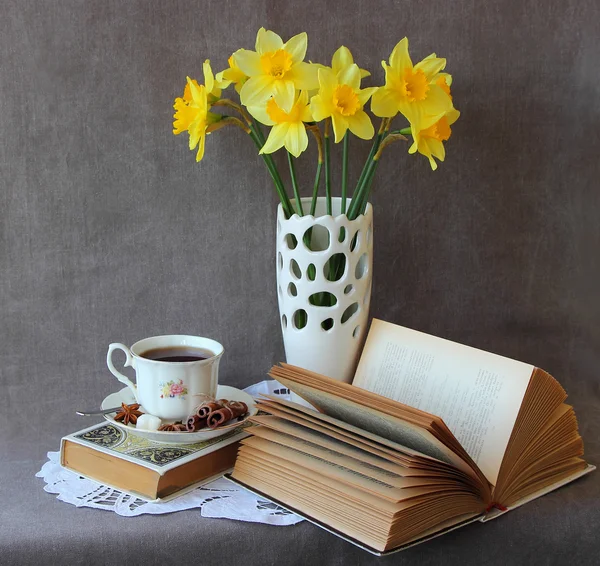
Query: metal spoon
(100, 412)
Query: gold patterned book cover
(151, 470)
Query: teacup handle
(128, 362)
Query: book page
(478, 394)
(322, 462)
(357, 459)
(379, 424)
(416, 464)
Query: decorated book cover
(149, 469)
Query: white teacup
(170, 389)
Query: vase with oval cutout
(324, 275)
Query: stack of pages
(429, 436)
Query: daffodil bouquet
(278, 89)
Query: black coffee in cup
(177, 354)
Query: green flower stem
(316, 132)
(361, 179)
(259, 139)
(259, 135)
(345, 171)
(279, 187)
(359, 192)
(255, 126)
(313, 205)
(368, 183)
(327, 167)
(295, 184)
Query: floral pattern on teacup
(172, 389)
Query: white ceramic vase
(324, 339)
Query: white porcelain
(169, 390)
(223, 392)
(332, 352)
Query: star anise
(128, 413)
(173, 427)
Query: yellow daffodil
(275, 69)
(232, 75)
(429, 141)
(410, 89)
(288, 127)
(192, 114)
(341, 98)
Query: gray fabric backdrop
(111, 232)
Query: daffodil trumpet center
(276, 63)
(440, 131)
(345, 100)
(414, 85)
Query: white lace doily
(219, 499)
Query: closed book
(150, 470)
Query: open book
(430, 435)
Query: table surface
(558, 528)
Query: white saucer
(223, 392)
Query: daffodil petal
(400, 59)
(304, 75)
(364, 74)
(209, 78)
(195, 130)
(416, 116)
(327, 82)
(360, 125)
(200, 153)
(260, 113)
(452, 116)
(319, 108)
(341, 59)
(197, 91)
(248, 62)
(307, 115)
(302, 98)
(431, 66)
(276, 138)
(437, 101)
(296, 47)
(267, 41)
(340, 126)
(350, 76)
(296, 140)
(223, 82)
(257, 90)
(425, 149)
(284, 94)
(187, 93)
(365, 94)
(436, 147)
(383, 103)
